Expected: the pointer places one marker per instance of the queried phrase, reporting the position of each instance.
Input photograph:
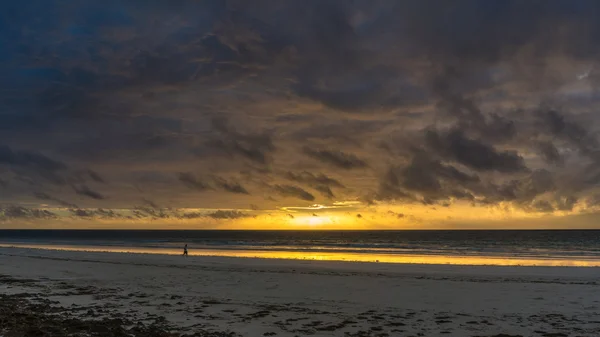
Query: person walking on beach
(185, 253)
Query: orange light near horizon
(311, 220)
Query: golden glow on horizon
(338, 216)
(312, 220)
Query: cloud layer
(226, 104)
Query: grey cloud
(44, 196)
(229, 186)
(98, 213)
(111, 96)
(82, 213)
(254, 147)
(560, 126)
(469, 118)
(82, 176)
(228, 214)
(32, 165)
(220, 214)
(22, 213)
(424, 175)
(429, 179)
(46, 167)
(217, 215)
(524, 190)
(154, 213)
(189, 180)
(26, 180)
(338, 159)
(95, 176)
(566, 203)
(293, 191)
(85, 191)
(454, 145)
(108, 214)
(29, 159)
(346, 131)
(319, 181)
(325, 191)
(150, 203)
(363, 90)
(549, 152)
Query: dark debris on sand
(21, 317)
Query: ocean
(479, 247)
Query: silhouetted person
(185, 250)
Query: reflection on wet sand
(336, 256)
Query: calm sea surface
(557, 247)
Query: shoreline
(220, 296)
(412, 259)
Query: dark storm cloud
(229, 185)
(117, 86)
(318, 181)
(99, 213)
(95, 176)
(189, 180)
(46, 167)
(252, 146)
(338, 159)
(454, 145)
(427, 178)
(150, 203)
(346, 131)
(22, 213)
(32, 166)
(524, 190)
(85, 191)
(82, 213)
(325, 191)
(366, 89)
(29, 159)
(566, 203)
(221, 214)
(470, 118)
(549, 152)
(44, 196)
(570, 131)
(150, 209)
(217, 215)
(293, 191)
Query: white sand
(295, 298)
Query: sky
(299, 114)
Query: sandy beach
(115, 294)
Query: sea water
(477, 247)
